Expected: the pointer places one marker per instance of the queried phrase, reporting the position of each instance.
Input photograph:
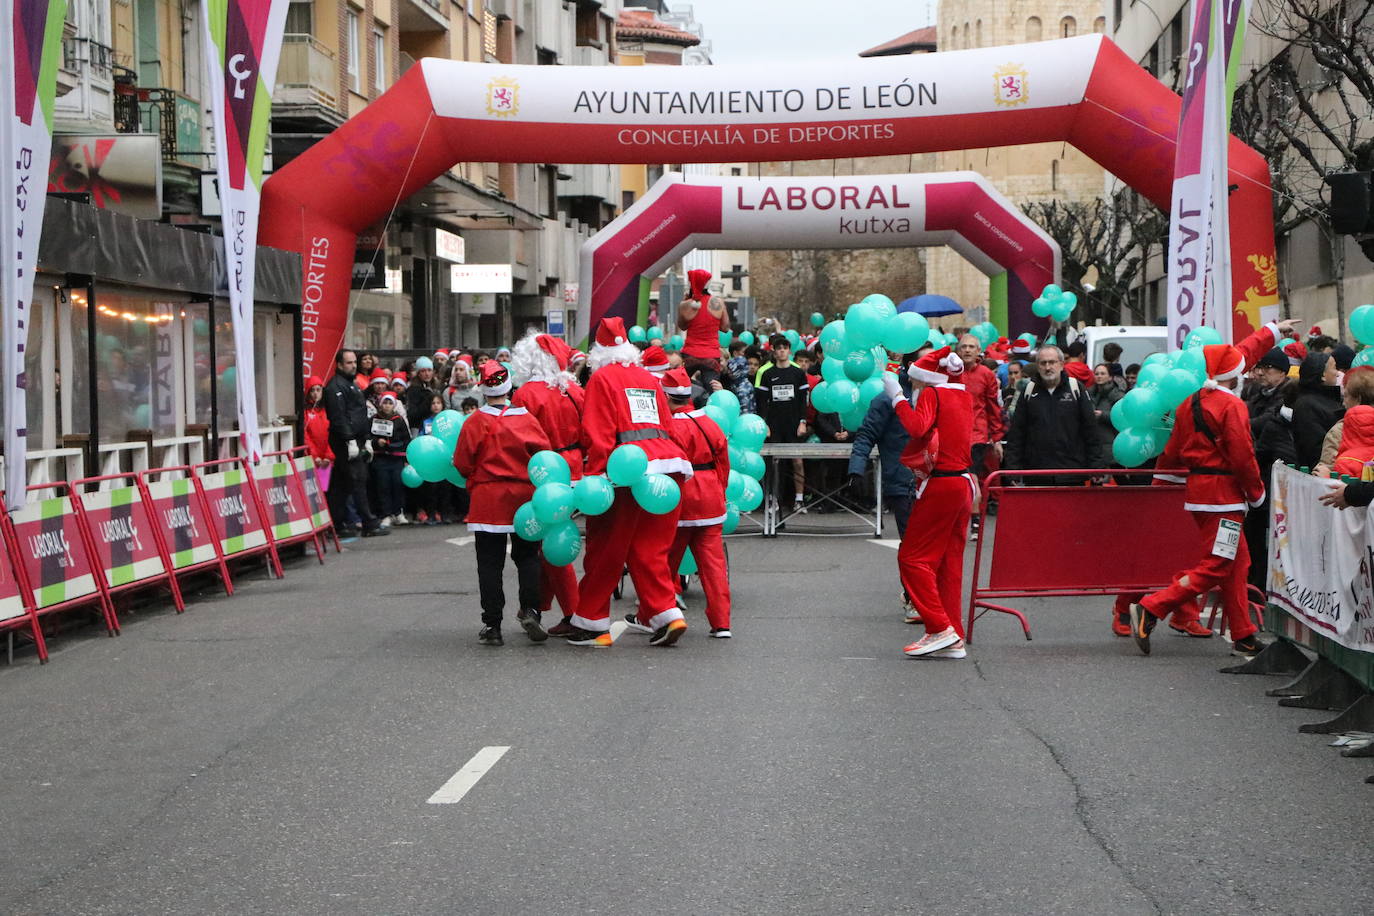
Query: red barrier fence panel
(236, 513)
(178, 509)
(15, 610)
(1058, 540)
(53, 547)
(283, 498)
(128, 544)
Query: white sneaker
(957, 650)
(931, 642)
(798, 505)
(632, 624)
(384, 523)
(909, 612)
(722, 633)
(400, 520)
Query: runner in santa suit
(539, 364)
(702, 318)
(931, 557)
(493, 453)
(625, 405)
(1211, 451)
(703, 499)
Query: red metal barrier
(1068, 540)
(179, 509)
(16, 608)
(290, 511)
(128, 544)
(236, 511)
(306, 472)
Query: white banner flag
(1199, 271)
(30, 42)
(242, 46)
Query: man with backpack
(1052, 424)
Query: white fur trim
(663, 618)
(669, 466)
(500, 411)
(495, 391)
(625, 353)
(1208, 507)
(491, 529)
(1171, 478)
(925, 375)
(602, 625)
(957, 386)
(680, 392)
(700, 522)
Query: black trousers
(491, 564)
(349, 479)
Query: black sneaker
(669, 633)
(1142, 624)
(346, 532)
(591, 639)
(377, 532)
(529, 619)
(491, 636)
(721, 633)
(1248, 647)
(632, 623)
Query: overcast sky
(747, 31)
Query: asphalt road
(275, 753)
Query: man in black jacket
(1053, 425)
(349, 427)
(1269, 398)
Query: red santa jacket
(703, 497)
(493, 453)
(559, 411)
(625, 404)
(985, 393)
(1210, 450)
(317, 434)
(942, 417)
(1355, 458)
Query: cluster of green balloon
(1143, 416)
(674, 344)
(986, 333)
(817, 320)
(1362, 329)
(745, 433)
(1054, 302)
(548, 516)
(856, 353)
(628, 466)
(429, 459)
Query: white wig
(602, 355)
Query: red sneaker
(1121, 624)
(1192, 627)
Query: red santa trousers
(931, 557)
(626, 535)
(708, 549)
(1211, 571)
(558, 582)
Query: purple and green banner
(242, 46)
(30, 45)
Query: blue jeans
(386, 474)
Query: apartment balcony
(307, 82)
(422, 15)
(88, 68)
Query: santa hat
(937, 367)
(698, 279)
(555, 347)
(312, 382)
(378, 375)
(495, 381)
(1224, 362)
(1021, 348)
(400, 379)
(656, 360)
(387, 397)
(441, 354)
(611, 332)
(577, 357)
(676, 383)
(463, 358)
(1296, 353)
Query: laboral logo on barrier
(176, 508)
(286, 513)
(319, 512)
(122, 532)
(232, 511)
(53, 554)
(1321, 567)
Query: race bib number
(643, 405)
(382, 428)
(1227, 540)
(782, 392)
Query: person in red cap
(656, 360)
(378, 383)
(317, 428)
(931, 556)
(548, 391)
(703, 501)
(1211, 450)
(625, 405)
(493, 451)
(702, 318)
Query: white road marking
(886, 542)
(618, 628)
(460, 542)
(461, 782)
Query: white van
(1137, 342)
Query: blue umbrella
(930, 305)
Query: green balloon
(626, 465)
(562, 544)
(747, 338)
(637, 334)
(844, 396)
(654, 333)
(820, 397)
(905, 332)
(833, 340)
(853, 419)
(548, 467)
(858, 365)
(869, 389)
(735, 485)
(884, 306)
(1133, 447)
(750, 431)
(1161, 359)
(725, 337)
(864, 325)
(936, 339)
(752, 465)
(1177, 385)
(721, 417)
(731, 519)
(727, 401)
(446, 425)
(1201, 337)
(593, 495)
(1141, 407)
(411, 477)
(793, 338)
(553, 503)
(1362, 324)
(1193, 362)
(832, 369)
(817, 320)
(1150, 375)
(1364, 358)
(527, 524)
(455, 478)
(752, 497)
(657, 493)
(688, 564)
(430, 457)
(736, 454)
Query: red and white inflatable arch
(1083, 90)
(679, 214)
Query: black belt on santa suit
(708, 466)
(640, 435)
(1210, 472)
(569, 448)
(951, 473)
